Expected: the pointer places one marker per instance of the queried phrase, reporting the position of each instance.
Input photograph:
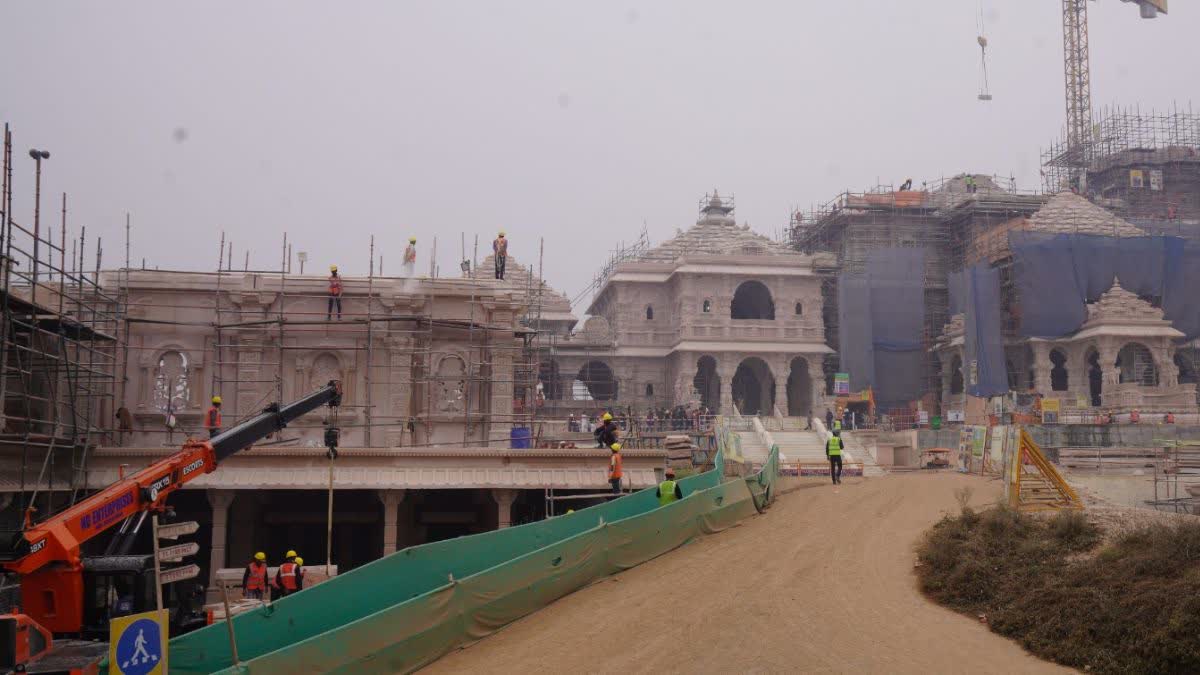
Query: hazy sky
(573, 121)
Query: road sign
(175, 530)
(176, 552)
(137, 644)
(179, 573)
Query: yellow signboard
(137, 644)
(1051, 405)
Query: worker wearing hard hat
(335, 294)
(410, 258)
(606, 433)
(254, 579)
(833, 450)
(615, 472)
(668, 490)
(500, 252)
(290, 577)
(212, 418)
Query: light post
(38, 156)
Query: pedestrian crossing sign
(137, 644)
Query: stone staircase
(753, 449)
(806, 447)
(861, 446)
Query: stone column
(504, 499)
(391, 501)
(725, 370)
(220, 500)
(816, 374)
(781, 394)
(1041, 367)
(399, 351)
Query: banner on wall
(841, 384)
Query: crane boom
(47, 555)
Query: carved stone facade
(421, 361)
(1121, 359)
(716, 316)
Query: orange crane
(58, 583)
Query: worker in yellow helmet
(615, 472)
(668, 491)
(410, 258)
(254, 579)
(290, 578)
(500, 253)
(212, 418)
(606, 433)
(335, 294)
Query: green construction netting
(409, 608)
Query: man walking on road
(833, 450)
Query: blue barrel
(520, 438)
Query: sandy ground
(823, 582)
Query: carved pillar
(1168, 373)
(726, 367)
(502, 393)
(781, 369)
(1041, 367)
(504, 499)
(220, 500)
(1110, 375)
(391, 501)
(816, 375)
(249, 374)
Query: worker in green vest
(668, 490)
(833, 450)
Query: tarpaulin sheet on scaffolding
(854, 330)
(897, 279)
(881, 320)
(413, 633)
(983, 342)
(1058, 274)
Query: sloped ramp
(406, 610)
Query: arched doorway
(596, 381)
(707, 383)
(799, 389)
(956, 376)
(551, 380)
(754, 387)
(1095, 378)
(752, 300)
(1058, 370)
(1135, 365)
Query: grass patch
(1130, 606)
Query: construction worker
(410, 258)
(254, 579)
(615, 473)
(828, 419)
(335, 294)
(212, 418)
(668, 490)
(833, 451)
(606, 433)
(500, 250)
(290, 577)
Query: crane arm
(57, 539)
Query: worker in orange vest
(212, 418)
(615, 473)
(290, 577)
(254, 579)
(335, 294)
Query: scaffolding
(1142, 165)
(957, 221)
(59, 338)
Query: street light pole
(38, 156)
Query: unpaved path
(823, 582)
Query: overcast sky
(573, 121)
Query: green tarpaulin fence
(409, 608)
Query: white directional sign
(180, 573)
(176, 552)
(176, 530)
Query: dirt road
(822, 582)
